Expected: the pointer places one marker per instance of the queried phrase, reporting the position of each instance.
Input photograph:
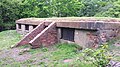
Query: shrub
(99, 57)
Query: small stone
(67, 60)
(12, 46)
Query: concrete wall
(59, 34)
(81, 37)
(18, 30)
(22, 30)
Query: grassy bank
(8, 38)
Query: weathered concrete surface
(31, 35)
(58, 34)
(30, 28)
(79, 23)
(23, 29)
(46, 38)
(17, 27)
(36, 21)
(81, 37)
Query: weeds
(99, 57)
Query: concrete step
(28, 37)
(46, 38)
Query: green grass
(64, 51)
(8, 38)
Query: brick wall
(46, 38)
(27, 38)
(102, 36)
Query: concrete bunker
(84, 32)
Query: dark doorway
(26, 27)
(19, 26)
(67, 34)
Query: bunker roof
(73, 22)
(66, 19)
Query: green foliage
(11, 10)
(98, 57)
(7, 26)
(15, 9)
(29, 8)
(64, 8)
(93, 7)
(112, 11)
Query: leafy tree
(92, 7)
(8, 13)
(8, 10)
(64, 8)
(11, 10)
(114, 11)
(29, 8)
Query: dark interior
(26, 27)
(19, 26)
(67, 34)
